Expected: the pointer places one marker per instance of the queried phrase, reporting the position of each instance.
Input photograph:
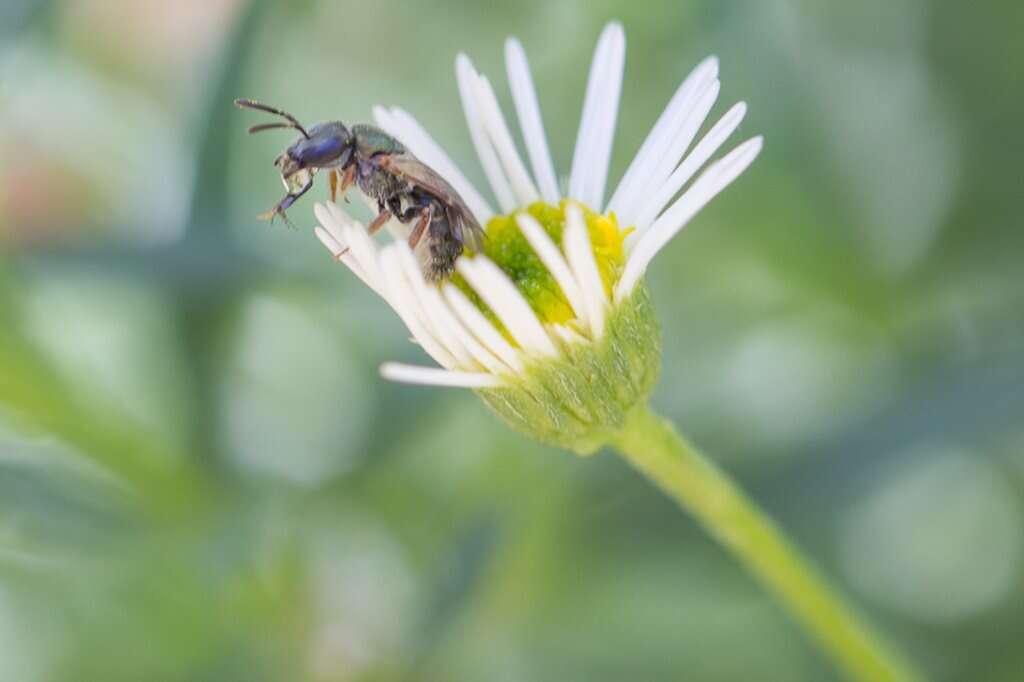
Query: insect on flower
(552, 324)
(402, 186)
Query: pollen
(509, 250)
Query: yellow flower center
(508, 248)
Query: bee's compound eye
(318, 152)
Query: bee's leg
(332, 181)
(285, 204)
(347, 178)
(394, 203)
(378, 222)
(426, 215)
(408, 214)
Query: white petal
(716, 178)
(335, 213)
(343, 221)
(330, 223)
(330, 242)
(327, 221)
(336, 221)
(553, 260)
(501, 296)
(407, 129)
(432, 376)
(604, 126)
(407, 307)
(364, 251)
(467, 76)
(528, 110)
(481, 355)
(664, 129)
(578, 251)
(436, 324)
(343, 255)
(494, 123)
(594, 109)
(675, 150)
(568, 335)
(481, 328)
(693, 162)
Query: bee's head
(325, 145)
(328, 145)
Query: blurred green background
(203, 478)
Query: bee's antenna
(269, 126)
(292, 121)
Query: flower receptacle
(580, 400)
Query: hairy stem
(653, 446)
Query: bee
(402, 186)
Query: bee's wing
(411, 169)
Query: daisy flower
(561, 273)
(552, 324)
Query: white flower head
(551, 324)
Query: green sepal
(580, 400)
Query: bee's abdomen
(444, 250)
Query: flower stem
(653, 446)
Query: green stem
(654, 447)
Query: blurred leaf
(37, 399)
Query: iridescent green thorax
(508, 248)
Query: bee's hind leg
(426, 215)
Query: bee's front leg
(347, 178)
(340, 182)
(285, 204)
